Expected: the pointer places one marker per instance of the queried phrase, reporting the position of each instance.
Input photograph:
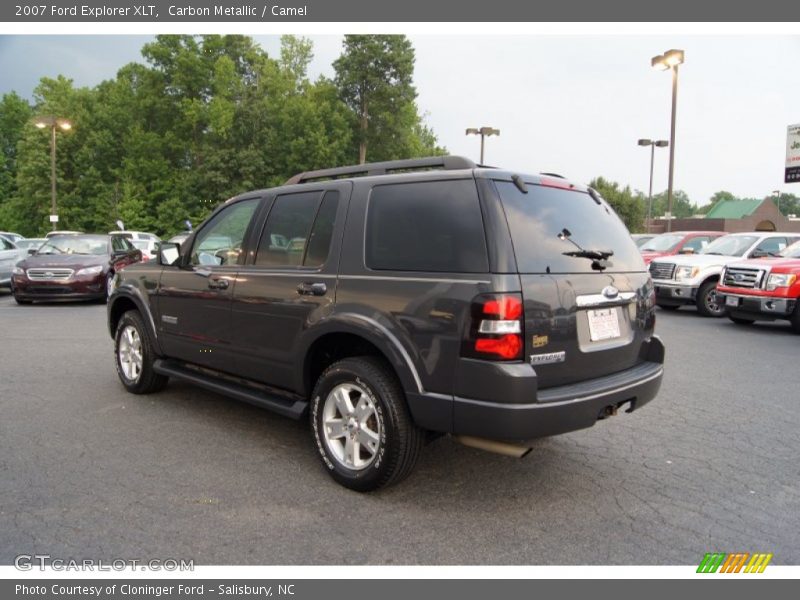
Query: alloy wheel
(351, 427)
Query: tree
(628, 205)
(202, 119)
(682, 207)
(374, 76)
(15, 114)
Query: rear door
(289, 282)
(585, 316)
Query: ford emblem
(610, 292)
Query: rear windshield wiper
(593, 254)
(596, 256)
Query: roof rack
(448, 163)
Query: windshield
(792, 251)
(140, 244)
(75, 244)
(730, 245)
(662, 243)
(588, 231)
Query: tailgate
(574, 331)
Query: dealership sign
(792, 174)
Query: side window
(4, 245)
(283, 242)
(771, 245)
(319, 243)
(220, 241)
(427, 226)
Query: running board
(287, 405)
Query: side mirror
(687, 251)
(168, 254)
(758, 254)
(154, 252)
(31, 251)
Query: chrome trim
(59, 274)
(622, 388)
(590, 300)
(415, 279)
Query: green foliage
(682, 207)
(374, 77)
(202, 119)
(628, 205)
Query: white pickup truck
(692, 279)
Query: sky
(569, 104)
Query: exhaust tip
(495, 446)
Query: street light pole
(53, 123)
(672, 146)
(483, 132)
(652, 144)
(671, 59)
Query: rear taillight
(495, 328)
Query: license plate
(731, 301)
(603, 324)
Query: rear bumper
(561, 409)
(765, 307)
(551, 411)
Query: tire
(707, 300)
(795, 318)
(367, 391)
(741, 321)
(21, 301)
(669, 307)
(137, 376)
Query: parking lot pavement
(89, 471)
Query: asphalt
(89, 471)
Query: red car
(72, 267)
(677, 242)
(763, 289)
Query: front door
(290, 283)
(194, 298)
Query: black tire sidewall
(349, 371)
(133, 319)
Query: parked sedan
(73, 267)
(9, 255)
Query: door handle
(218, 284)
(312, 289)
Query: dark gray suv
(391, 302)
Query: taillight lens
(495, 328)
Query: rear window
(536, 219)
(433, 226)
